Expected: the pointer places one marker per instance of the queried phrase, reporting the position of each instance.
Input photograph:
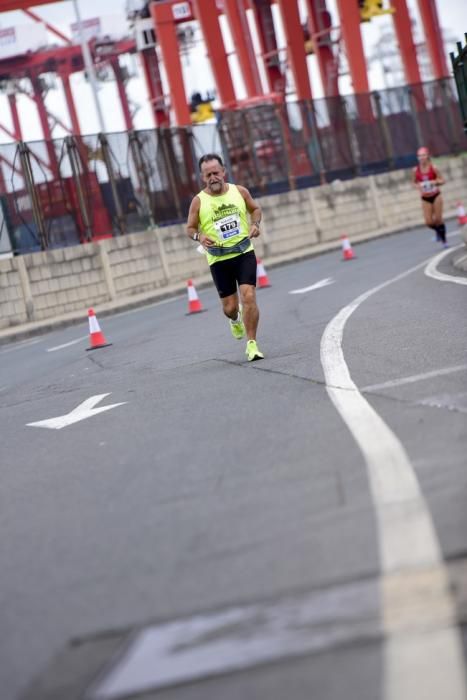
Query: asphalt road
(219, 484)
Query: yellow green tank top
(224, 219)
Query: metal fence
(459, 68)
(79, 189)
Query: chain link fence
(80, 189)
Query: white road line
(431, 271)
(414, 378)
(407, 538)
(317, 285)
(67, 345)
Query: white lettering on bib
(227, 227)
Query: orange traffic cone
(262, 277)
(461, 215)
(347, 252)
(96, 336)
(194, 304)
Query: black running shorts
(239, 270)
(430, 198)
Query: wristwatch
(196, 236)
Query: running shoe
(238, 327)
(252, 351)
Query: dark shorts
(228, 273)
(431, 198)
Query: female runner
(427, 179)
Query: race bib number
(428, 186)
(227, 227)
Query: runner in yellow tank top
(218, 219)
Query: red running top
(427, 181)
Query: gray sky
(197, 73)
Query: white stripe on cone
(94, 325)
(461, 215)
(192, 293)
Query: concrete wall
(45, 285)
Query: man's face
(213, 175)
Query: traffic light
(372, 8)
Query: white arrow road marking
(67, 345)
(81, 412)
(317, 285)
(239, 638)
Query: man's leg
(250, 318)
(224, 277)
(230, 306)
(246, 277)
(250, 310)
(231, 309)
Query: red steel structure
(63, 61)
(296, 48)
(208, 17)
(167, 14)
(319, 21)
(238, 23)
(10, 5)
(268, 46)
(406, 42)
(350, 29)
(434, 38)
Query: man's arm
(254, 210)
(192, 224)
